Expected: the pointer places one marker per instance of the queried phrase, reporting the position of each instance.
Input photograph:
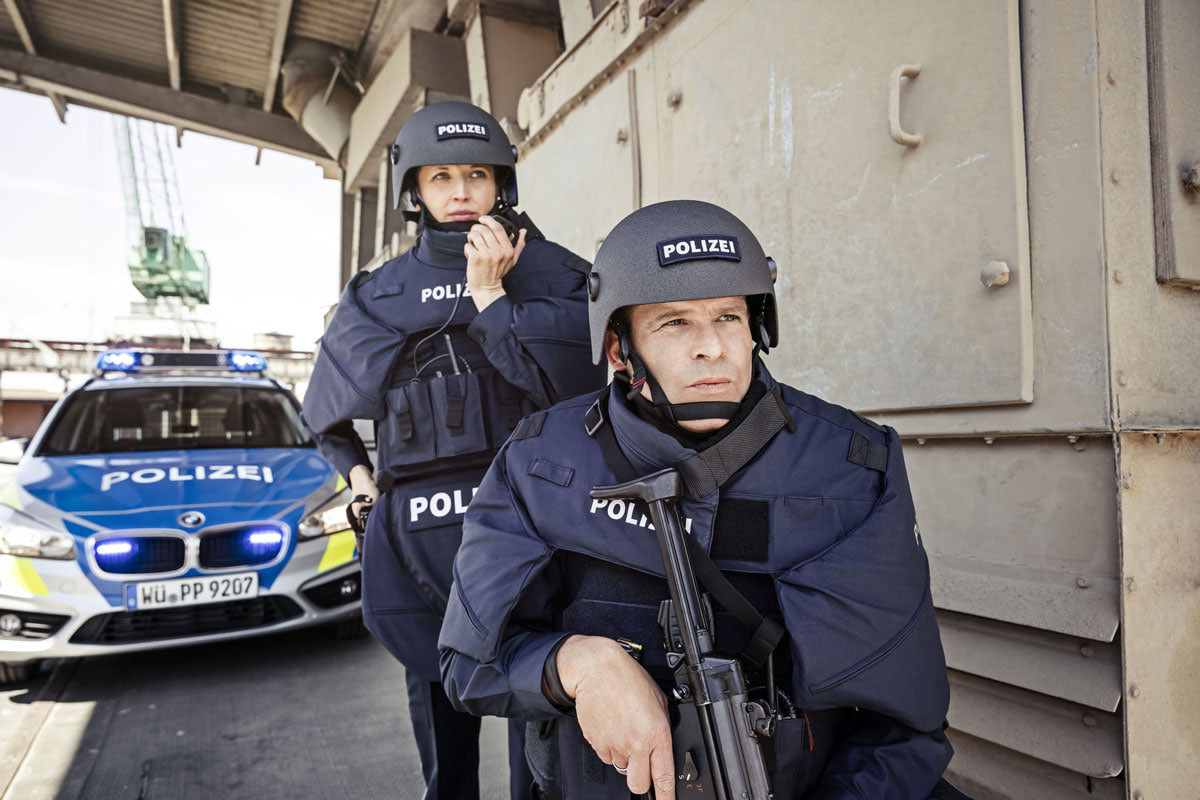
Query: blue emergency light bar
(132, 362)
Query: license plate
(191, 591)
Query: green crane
(161, 264)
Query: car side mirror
(11, 450)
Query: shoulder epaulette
(529, 427)
(866, 453)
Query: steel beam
(283, 16)
(171, 30)
(24, 25)
(135, 98)
(422, 62)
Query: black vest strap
(767, 633)
(709, 469)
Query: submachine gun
(717, 740)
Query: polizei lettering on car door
(214, 472)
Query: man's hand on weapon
(621, 711)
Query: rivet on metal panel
(1072, 438)
(920, 440)
(1130, 586)
(622, 136)
(1089, 720)
(1082, 582)
(1134, 691)
(988, 440)
(675, 98)
(1121, 379)
(996, 273)
(1087, 651)
(1117, 277)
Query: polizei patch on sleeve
(690, 248)
(455, 130)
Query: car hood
(254, 481)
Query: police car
(173, 498)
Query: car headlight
(329, 518)
(23, 540)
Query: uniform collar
(648, 447)
(442, 249)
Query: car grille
(124, 627)
(34, 626)
(241, 547)
(139, 555)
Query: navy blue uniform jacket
(442, 409)
(827, 544)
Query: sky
(271, 232)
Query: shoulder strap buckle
(593, 419)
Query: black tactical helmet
(452, 133)
(681, 250)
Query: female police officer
(447, 347)
(801, 504)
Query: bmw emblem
(191, 519)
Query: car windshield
(175, 418)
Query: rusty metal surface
(1160, 513)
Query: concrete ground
(295, 715)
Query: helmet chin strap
(669, 412)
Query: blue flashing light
(117, 361)
(119, 547)
(244, 361)
(133, 555)
(265, 537)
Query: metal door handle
(899, 136)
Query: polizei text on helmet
(690, 248)
(454, 130)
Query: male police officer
(803, 506)
(447, 347)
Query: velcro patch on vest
(742, 530)
(529, 427)
(458, 130)
(867, 454)
(691, 248)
